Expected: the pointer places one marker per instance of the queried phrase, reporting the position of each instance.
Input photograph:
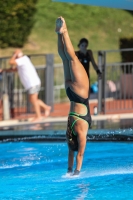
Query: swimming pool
(37, 170)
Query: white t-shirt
(27, 72)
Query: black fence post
(28, 105)
(49, 80)
(5, 98)
(100, 55)
(10, 86)
(104, 83)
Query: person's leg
(80, 83)
(45, 107)
(65, 61)
(34, 101)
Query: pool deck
(23, 129)
(60, 113)
(20, 122)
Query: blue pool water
(38, 171)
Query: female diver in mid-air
(77, 86)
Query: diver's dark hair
(72, 141)
(83, 40)
(71, 138)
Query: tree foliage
(16, 21)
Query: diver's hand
(76, 172)
(70, 170)
(99, 73)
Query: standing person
(77, 86)
(86, 56)
(31, 82)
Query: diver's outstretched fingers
(60, 25)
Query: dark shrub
(16, 21)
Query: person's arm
(76, 53)
(99, 73)
(81, 147)
(11, 69)
(12, 61)
(70, 161)
(80, 154)
(13, 64)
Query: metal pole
(49, 80)
(11, 93)
(100, 54)
(6, 106)
(27, 103)
(104, 83)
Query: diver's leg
(65, 61)
(80, 83)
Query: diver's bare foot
(60, 25)
(38, 119)
(47, 111)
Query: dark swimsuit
(71, 136)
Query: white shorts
(34, 90)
